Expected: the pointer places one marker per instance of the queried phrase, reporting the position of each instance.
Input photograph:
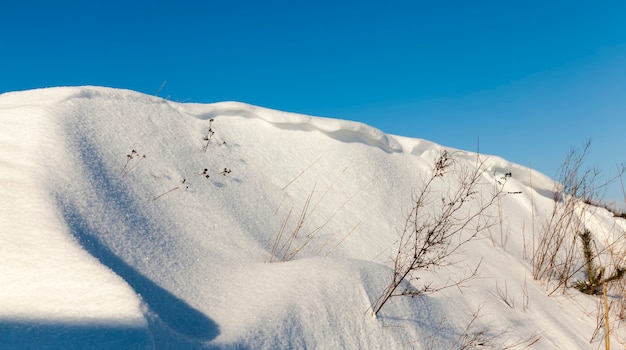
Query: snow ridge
(341, 130)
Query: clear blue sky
(529, 78)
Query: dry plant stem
(302, 172)
(279, 238)
(599, 321)
(317, 203)
(430, 238)
(618, 305)
(209, 135)
(280, 203)
(341, 241)
(467, 339)
(526, 299)
(129, 157)
(289, 251)
(622, 183)
(500, 215)
(282, 250)
(524, 246)
(555, 252)
(313, 233)
(134, 166)
(435, 336)
(473, 337)
(166, 192)
(607, 329)
(503, 294)
(160, 88)
(125, 165)
(555, 255)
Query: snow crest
(341, 130)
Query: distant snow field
(130, 221)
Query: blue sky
(529, 79)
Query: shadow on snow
(172, 322)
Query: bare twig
(503, 294)
(555, 254)
(209, 135)
(430, 237)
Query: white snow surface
(112, 235)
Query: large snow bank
(112, 233)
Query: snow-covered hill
(130, 221)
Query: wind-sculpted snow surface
(129, 221)
(341, 130)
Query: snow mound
(134, 221)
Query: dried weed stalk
(439, 223)
(555, 254)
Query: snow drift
(132, 221)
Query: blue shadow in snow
(172, 322)
(33, 335)
(172, 313)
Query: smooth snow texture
(111, 233)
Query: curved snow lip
(341, 130)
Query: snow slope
(112, 235)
